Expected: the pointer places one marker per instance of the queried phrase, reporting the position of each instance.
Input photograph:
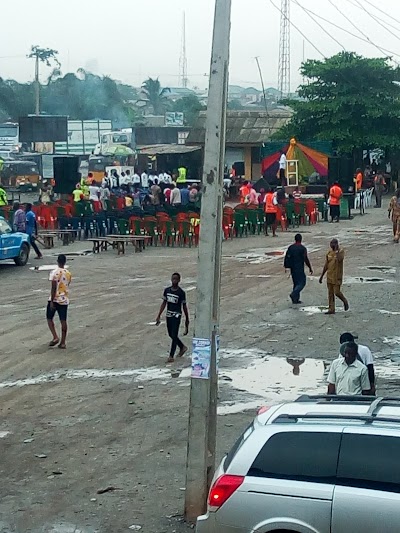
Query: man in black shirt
(296, 257)
(174, 299)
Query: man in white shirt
(282, 168)
(347, 375)
(364, 355)
(175, 198)
(167, 178)
(94, 192)
(136, 179)
(144, 179)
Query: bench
(119, 242)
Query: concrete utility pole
(37, 86)
(203, 394)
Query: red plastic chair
(311, 211)
(281, 218)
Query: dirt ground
(108, 413)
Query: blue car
(13, 245)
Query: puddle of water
(367, 280)
(140, 374)
(258, 276)
(4, 434)
(313, 310)
(275, 253)
(242, 353)
(189, 289)
(45, 267)
(384, 269)
(278, 378)
(76, 254)
(392, 341)
(385, 312)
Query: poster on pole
(201, 358)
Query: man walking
(379, 187)
(296, 257)
(59, 300)
(282, 168)
(174, 299)
(31, 229)
(347, 375)
(19, 222)
(271, 209)
(334, 269)
(364, 355)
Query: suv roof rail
(367, 418)
(347, 399)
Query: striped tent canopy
(310, 160)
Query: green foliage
(190, 106)
(155, 96)
(351, 100)
(45, 55)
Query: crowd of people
(138, 190)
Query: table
(66, 235)
(119, 242)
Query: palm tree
(155, 95)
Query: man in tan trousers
(334, 269)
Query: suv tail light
(223, 489)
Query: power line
(381, 11)
(343, 29)
(319, 25)
(352, 2)
(377, 20)
(358, 29)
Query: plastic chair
(311, 211)
(135, 225)
(253, 221)
(123, 226)
(300, 210)
(184, 234)
(292, 217)
(239, 224)
(281, 218)
(167, 232)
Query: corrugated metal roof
(244, 127)
(160, 149)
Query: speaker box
(341, 169)
(239, 168)
(65, 172)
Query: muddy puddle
(259, 256)
(353, 280)
(383, 269)
(44, 268)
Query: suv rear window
(369, 461)
(244, 436)
(301, 456)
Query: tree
(351, 100)
(190, 106)
(155, 95)
(41, 55)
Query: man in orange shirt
(244, 191)
(335, 195)
(359, 179)
(271, 208)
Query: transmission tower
(183, 59)
(284, 50)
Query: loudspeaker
(239, 168)
(65, 172)
(340, 169)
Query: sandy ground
(107, 411)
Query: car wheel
(22, 259)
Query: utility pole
(37, 86)
(183, 58)
(200, 464)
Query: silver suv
(320, 464)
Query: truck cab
(13, 245)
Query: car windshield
(4, 227)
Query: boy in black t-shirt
(174, 299)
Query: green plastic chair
(123, 226)
(292, 217)
(239, 224)
(344, 208)
(253, 221)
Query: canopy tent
(310, 158)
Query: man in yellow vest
(181, 175)
(3, 197)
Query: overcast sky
(133, 39)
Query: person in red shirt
(271, 208)
(359, 179)
(335, 195)
(244, 191)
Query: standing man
(58, 302)
(244, 191)
(32, 229)
(175, 198)
(334, 269)
(296, 257)
(347, 375)
(185, 194)
(174, 299)
(364, 355)
(271, 209)
(282, 168)
(394, 214)
(19, 221)
(181, 179)
(3, 197)
(335, 195)
(379, 187)
(359, 179)
(156, 192)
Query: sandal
(62, 346)
(54, 342)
